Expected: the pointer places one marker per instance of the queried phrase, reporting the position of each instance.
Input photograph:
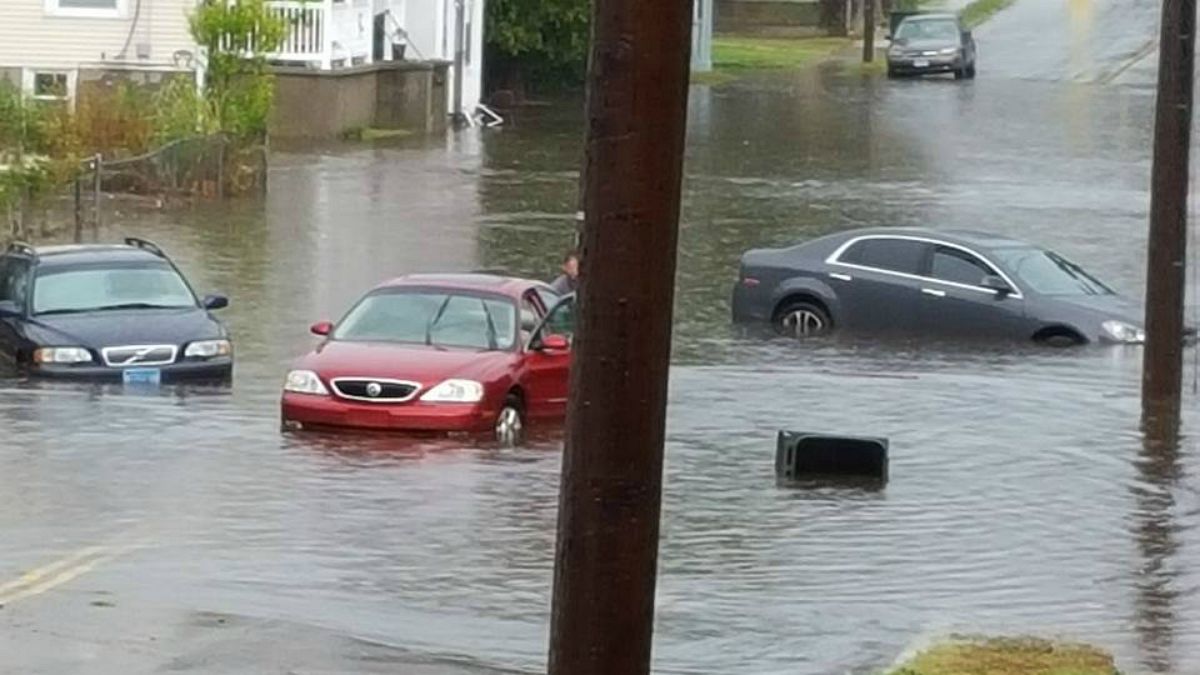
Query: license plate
(374, 418)
(142, 377)
(921, 63)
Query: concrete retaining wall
(391, 95)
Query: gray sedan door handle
(842, 277)
(934, 292)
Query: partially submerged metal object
(803, 456)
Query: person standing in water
(568, 281)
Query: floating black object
(802, 456)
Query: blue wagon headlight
(208, 349)
(62, 355)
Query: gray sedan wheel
(802, 320)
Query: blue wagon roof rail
(145, 245)
(21, 248)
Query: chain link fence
(202, 167)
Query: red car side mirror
(555, 343)
(322, 328)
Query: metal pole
(581, 204)
(702, 37)
(221, 169)
(266, 156)
(1166, 275)
(610, 499)
(78, 210)
(98, 187)
(459, 57)
(868, 31)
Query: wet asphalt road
(1075, 41)
(181, 532)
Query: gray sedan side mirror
(9, 309)
(997, 284)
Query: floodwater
(1023, 497)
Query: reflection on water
(1018, 475)
(1154, 531)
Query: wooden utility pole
(869, 31)
(1166, 270)
(610, 501)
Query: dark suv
(119, 313)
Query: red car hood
(416, 363)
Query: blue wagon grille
(139, 355)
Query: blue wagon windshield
(1049, 273)
(433, 318)
(93, 289)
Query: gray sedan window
(960, 267)
(895, 255)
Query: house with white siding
(47, 47)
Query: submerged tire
(971, 72)
(802, 319)
(1059, 339)
(510, 423)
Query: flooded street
(1022, 499)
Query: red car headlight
(305, 382)
(455, 391)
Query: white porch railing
(310, 26)
(325, 33)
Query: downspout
(459, 57)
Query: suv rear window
(896, 255)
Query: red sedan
(439, 353)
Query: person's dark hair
(569, 255)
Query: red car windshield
(437, 318)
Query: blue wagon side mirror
(9, 309)
(215, 302)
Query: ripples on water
(1021, 497)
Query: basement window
(50, 86)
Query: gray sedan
(932, 43)
(950, 283)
